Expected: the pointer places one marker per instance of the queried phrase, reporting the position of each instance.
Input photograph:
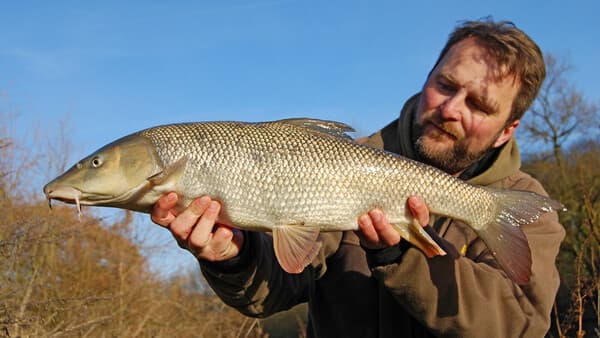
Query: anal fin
(295, 246)
(417, 236)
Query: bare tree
(560, 112)
(565, 124)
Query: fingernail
(375, 215)
(197, 203)
(214, 206)
(363, 220)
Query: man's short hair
(514, 52)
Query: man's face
(463, 109)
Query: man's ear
(506, 133)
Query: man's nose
(454, 106)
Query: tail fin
(504, 237)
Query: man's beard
(453, 160)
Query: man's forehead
(475, 53)
(469, 65)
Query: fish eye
(96, 162)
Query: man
(369, 283)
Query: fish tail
(504, 236)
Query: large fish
(296, 177)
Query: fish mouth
(74, 196)
(64, 194)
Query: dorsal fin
(332, 128)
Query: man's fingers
(387, 234)
(202, 232)
(194, 229)
(367, 230)
(161, 211)
(419, 210)
(223, 245)
(182, 225)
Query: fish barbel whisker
(78, 204)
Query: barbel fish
(296, 178)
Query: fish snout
(62, 193)
(48, 193)
(47, 190)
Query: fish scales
(272, 174)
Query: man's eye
(445, 86)
(477, 106)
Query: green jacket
(350, 293)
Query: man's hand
(375, 231)
(196, 230)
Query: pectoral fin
(170, 175)
(295, 246)
(415, 234)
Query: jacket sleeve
(256, 285)
(470, 296)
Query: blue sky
(115, 67)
